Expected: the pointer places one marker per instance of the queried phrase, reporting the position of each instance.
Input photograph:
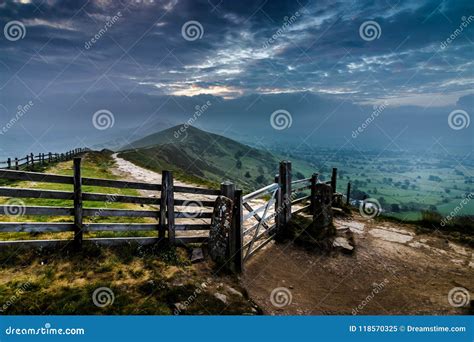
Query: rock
(342, 242)
(234, 291)
(220, 228)
(197, 255)
(221, 297)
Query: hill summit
(203, 157)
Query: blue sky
(247, 56)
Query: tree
(238, 164)
(260, 179)
(299, 175)
(247, 175)
(395, 207)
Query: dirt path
(393, 271)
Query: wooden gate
(259, 213)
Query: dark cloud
(247, 53)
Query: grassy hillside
(207, 158)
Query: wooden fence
(30, 160)
(164, 214)
(244, 240)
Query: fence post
(278, 207)
(78, 233)
(162, 228)
(228, 189)
(50, 157)
(32, 158)
(167, 178)
(16, 163)
(236, 238)
(314, 181)
(285, 198)
(334, 179)
(28, 161)
(9, 163)
(348, 193)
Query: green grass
(144, 281)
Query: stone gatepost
(221, 222)
(322, 211)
